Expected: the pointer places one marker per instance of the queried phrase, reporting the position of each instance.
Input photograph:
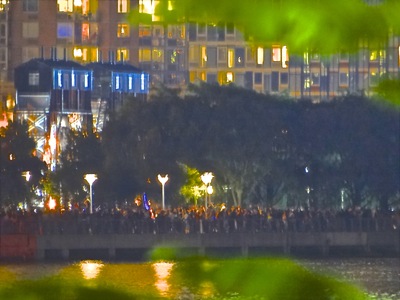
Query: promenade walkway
(132, 232)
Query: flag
(146, 203)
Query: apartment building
(176, 54)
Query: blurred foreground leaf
(389, 90)
(264, 279)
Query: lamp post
(90, 178)
(210, 190)
(162, 180)
(206, 178)
(27, 175)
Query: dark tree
(17, 159)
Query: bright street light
(90, 178)
(206, 178)
(162, 180)
(27, 175)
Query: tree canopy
(20, 170)
(261, 148)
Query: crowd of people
(190, 220)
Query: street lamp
(162, 180)
(206, 178)
(27, 175)
(210, 190)
(90, 178)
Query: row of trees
(262, 149)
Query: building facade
(179, 53)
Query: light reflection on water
(379, 277)
(163, 272)
(90, 269)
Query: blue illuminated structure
(113, 84)
(53, 96)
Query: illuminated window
(224, 77)
(30, 29)
(144, 31)
(65, 5)
(85, 6)
(3, 5)
(203, 76)
(85, 54)
(78, 53)
(172, 56)
(306, 58)
(33, 79)
(30, 5)
(59, 79)
(122, 6)
(231, 58)
(373, 55)
(158, 55)
(147, 6)
(192, 76)
(203, 56)
(65, 30)
(144, 55)
(285, 57)
(130, 82)
(399, 56)
(382, 54)
(73, 79)
(85, 32)
(307, 83)
(183, 31)
(86, 80)
(123, 30)
(142, 82)
(122, 54)
(117, 82)
(229, 77)
(276, 54)
(260, 56)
